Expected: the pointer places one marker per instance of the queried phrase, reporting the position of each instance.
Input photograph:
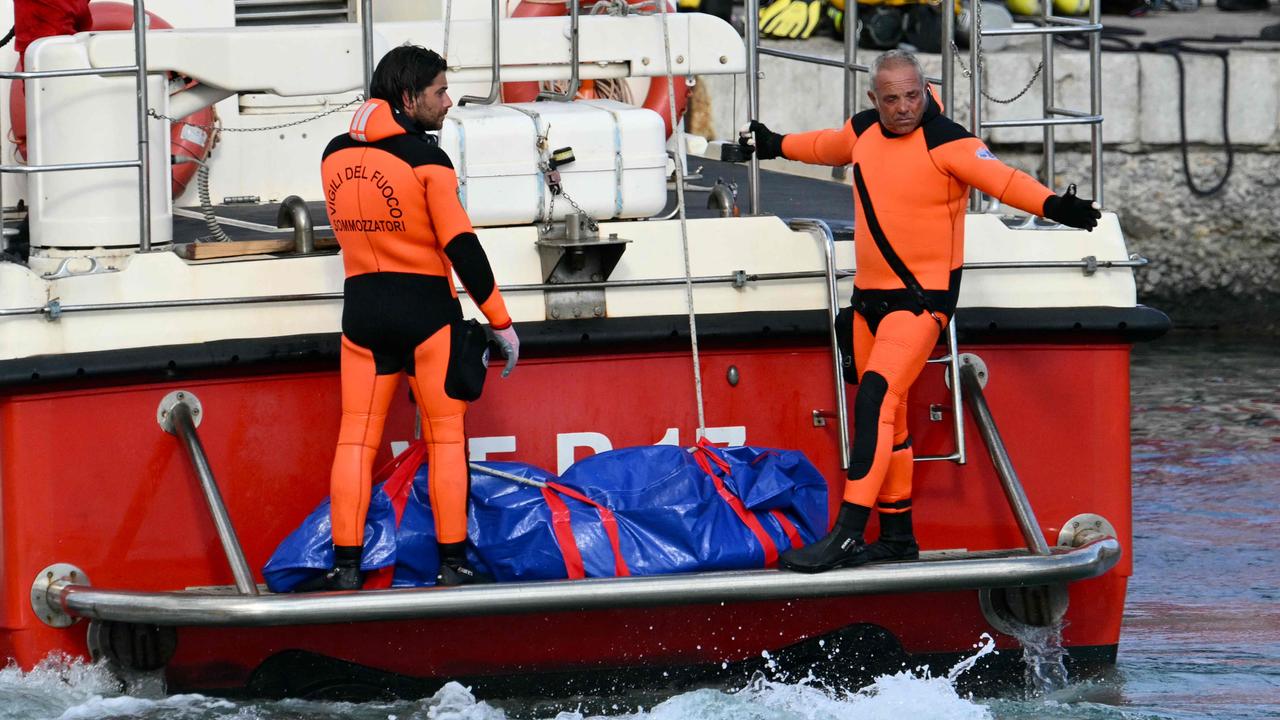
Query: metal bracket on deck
(1085, 528)
(979, 369)
(164, 413)
(573, 254)
(46, 588)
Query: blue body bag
(636, 511)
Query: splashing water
(61, 688)
(1043, 658)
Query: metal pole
(496, 87)
(752, 19)
(1017, 497)
(957, 413)
(572, 89)
(850, 75)
(1046, 95)
(184, 427)
(948, 61)
(144, 165)
(822, 231)
(934, 575)
(1095, 98)
(975, 89)
(366, 33)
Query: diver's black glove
(768, 142)
(1071, 210)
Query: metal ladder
(139, 70)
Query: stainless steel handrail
(1044, 121)
(495, 86)
(33, 169)
(822, 231)
(960, 455)
(571, 90)
(828, 62)
(139, 69)
(1043, 30)
(1051, 25)
(366, 44)
(38, 74)
(752, 31)
(140, 23)
(539, 287)
(181, 422)
(220, 610)
(1016, 495)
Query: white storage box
(619, 171)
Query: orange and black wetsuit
(910, 197)
(392, 198)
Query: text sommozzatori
(384, 187)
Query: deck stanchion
(144, 167)
(495, 89)
(948, 57)
(1017, 497)
(176, 417)
(366, 35)
(1095, 99)
(752, 20)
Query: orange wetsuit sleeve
(970, 161)
(833, 146)
(453, 230)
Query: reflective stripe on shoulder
(361, 118)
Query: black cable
(1175, 49)
(1117, 40)
(8, 37)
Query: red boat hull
(87, 477)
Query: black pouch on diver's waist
(468, 360)
(844, 341)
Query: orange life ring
(187, 138)
(657, 98)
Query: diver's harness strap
(890, 256)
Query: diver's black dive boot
(454, 569)
(345, 574)
(896, 542)
(834, 550)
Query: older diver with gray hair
(912, 170)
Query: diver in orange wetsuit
(392, 198)
(912, 170)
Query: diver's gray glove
(508, 342)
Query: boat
(169, 402)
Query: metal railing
(53, 310)
(139, 70)
(1052, 116)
